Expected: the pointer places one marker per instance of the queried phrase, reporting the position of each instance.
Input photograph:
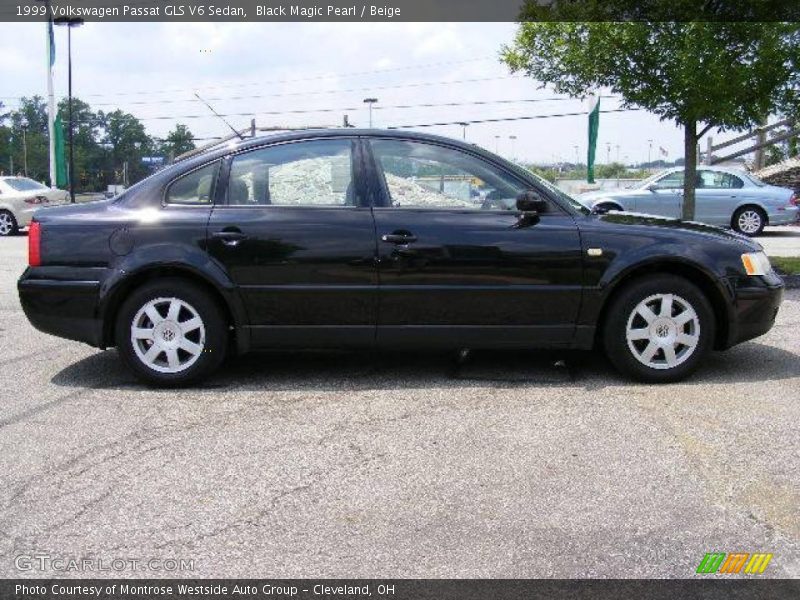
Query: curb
(792, 282)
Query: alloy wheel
(168, 335)
(749, 221)
(663, 331)
(6, 223)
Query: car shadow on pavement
(331, 371)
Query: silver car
(725, 197)
(20, 197)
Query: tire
(8, 224)
(609, 206)
(749, 220)
(667, 348)
(186, 345)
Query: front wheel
(8, 224)
(169, 333)
(749, 220)
(659, 329)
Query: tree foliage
(108, 146)
(728, 75)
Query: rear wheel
(8, 224)
(169, 333)
(749, 220)
(659, 329)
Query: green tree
(178, 141)
(728, 75)
(31, 116)
(126, 142)
(89, 155)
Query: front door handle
(399, 238)
(229, 237)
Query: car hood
(648, 222)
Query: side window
(717, 180)
(420, 175)
(313, 173)
(196, 187)
(671, 181)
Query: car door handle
(229, 238)
(399, 238)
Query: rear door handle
(399, 238)
(229, 238)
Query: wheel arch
(113, 298)
(689, 271)
(750, 204)
(609, 202)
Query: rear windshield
(23, 184)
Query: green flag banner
(61, 156)
(594, 125)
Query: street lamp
(577, 155)
(512, 138)
(497, 144)
(649, 152)
(70, 23)
(24, 127)
(370, 102)
(464, 130)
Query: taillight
(35, 244)
(794, 200)
(36, 200)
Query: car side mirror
(653, 187)
(531, 202)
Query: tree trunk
(690, 169)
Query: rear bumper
(66, 309)
(754, 310)
(785, 216)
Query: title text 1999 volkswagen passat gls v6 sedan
(361, 238)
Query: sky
(246, 70)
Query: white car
(723, 196)
(20, 197)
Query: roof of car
(235, 145)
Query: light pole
(497, 144)
(649, 152)
(70, 23)
(608, 153)
(617, 147)
(464, 130)
(370, 102)
(512, 138)
(577, 155)
(24, 126)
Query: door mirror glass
(531, 202)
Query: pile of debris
(784, 174)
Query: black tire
(214, 343)
(609, 206)
(751, 212)
(621, 310)
(9, 225)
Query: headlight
(756, 263)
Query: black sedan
(363, 238)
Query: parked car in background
(20, 197)
(724, 197)
(364, 238)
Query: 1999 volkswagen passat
(366, 238)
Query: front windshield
(561, 194)
(23, 184)
(644, 183)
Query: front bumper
(755, 308)
(66, 309)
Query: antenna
(216, 114)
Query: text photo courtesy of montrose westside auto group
(409, 301)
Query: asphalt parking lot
(396, 465)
